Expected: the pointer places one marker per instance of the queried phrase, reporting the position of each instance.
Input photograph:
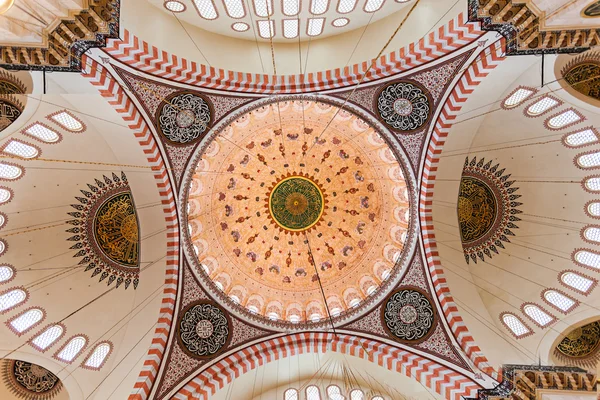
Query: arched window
(11, 299)
(346, 6)
(539, 316)
(591, 233)
(318, 7)
(589, 160)
(313, 393)
(263, 8)
(354, 302)
(517, 97)
(592, 184)
(587, 258)
(6, 273)
(98, 356)
(334, 393)
(235, 8)
(48, 337)
(542, 105)
(291, 7)
(291, 28)
(72, 349)
(10, 171)
(373, 5)
(577, 282)
(593, 208)
(266, 30)
(68, 121)
(26, 320)
(564, 119)
(315, 26)
(335, 311)
(377, 398)
(42, 133)
(515, 325)
(581, 138)
(559, 300)
(357, 394)
(5, 195)
(20, 149)
(291, 394)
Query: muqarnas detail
(486, 209)
(107, 231)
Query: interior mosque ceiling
(320, 200)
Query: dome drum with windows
(279, 204)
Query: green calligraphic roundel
(296, 203)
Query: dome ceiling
(295, 195)
(250, 19)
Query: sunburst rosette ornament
(296, 203)
(106, 230)
(486, 209)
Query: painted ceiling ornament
(279, 204)
(404, 106)
(10, 110)
(30, 381)
(591, 10)
(583, 74)
(581, 342)
(107, 231)
(486, 209)
(296, 203)
(203, 329)
(408, 314)
(183, 117)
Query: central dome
(294, 195)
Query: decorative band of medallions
(296, 203)
(408, 314)
(203, 329)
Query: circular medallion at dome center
(296, 203)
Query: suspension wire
(190, 36)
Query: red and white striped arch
(439, 378)
(116, 96)
(138, 54)
(481, 67)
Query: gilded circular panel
(404, 106)
(184, 117)
(203, 329)
(409, 315)
(293, 202)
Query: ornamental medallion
(30, 381)
(203, 329)
(486, 209)
(409, 315)
(581, 342)
(106, 230)
(404, 106)
(183, 117)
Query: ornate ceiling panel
(30, 381)
(47, 35)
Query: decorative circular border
(348, 315)
(412, 82)
(433, 307)
(178, 329)
(167, 99)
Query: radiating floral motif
(408, 315)
(184, 117)
(404, 106)
(486, 209)
(204, 329)
(30, 381)
(107, 231)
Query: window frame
(14, 272)
(577, 262)
(243, 8)
(66, 343)
(568, 125)
(570, 146)
(541, 97)
(514, 334)
(587, 211)
(38, 333)
(50, 117)
(9, 325)
(21, 175)
(18, 304)
(5, 145)
(515, 90)
(584, 238)
(552, 316)
(590, 289)
(579, 165)
(24, 132)
(585, 186)
(567, 311)
(91, 352)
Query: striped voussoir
(111, 90)
(139, 54)
(445, 381)
(487, 60)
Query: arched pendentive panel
(487, 60)
(441, 379)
